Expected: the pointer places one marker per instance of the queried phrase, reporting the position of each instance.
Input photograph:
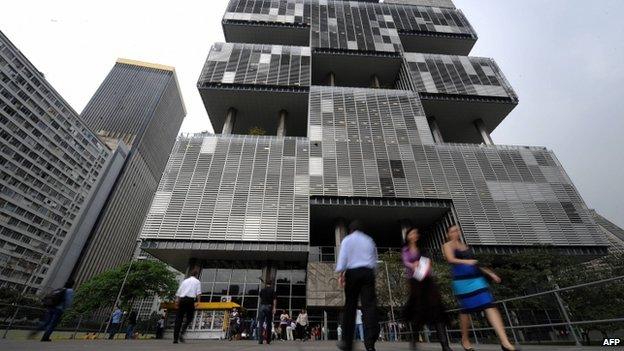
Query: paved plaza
(216, 345)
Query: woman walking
(471, 288)
(425, 302)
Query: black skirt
(425, 304)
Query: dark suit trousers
(360, 283)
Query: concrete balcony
(247, 86)
(457, 92)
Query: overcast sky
(565, 58)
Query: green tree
(596, 302)
(146, 279)
(257, 131)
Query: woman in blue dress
(471, 288)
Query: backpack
(55, 298)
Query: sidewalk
(217, 345)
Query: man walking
(115, 322)
(356, 264)
(132, 322)
(266, 312)
(56, 303)
(187, 295)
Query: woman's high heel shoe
(467, 349)
(506, 349)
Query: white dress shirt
(190, 287)
(357, 250)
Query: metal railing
(21, 320)
(328, 253)
(560, 325)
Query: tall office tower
(139, 103)
(614, 233)
(370, 110)
(55, 175)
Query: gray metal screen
(257, 64)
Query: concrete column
(331, 79)
(230, 119)
(435, 130)
(281, 127)
(340, 231)
(485, 135)
(405, 225)
(375, 82)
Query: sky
(564, 58)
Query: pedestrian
(302, 324)
(132, 322)
(339, 332)
(56, 302)
(186, 297)
(235, 324)
(356, 264)
(359, 328)
(115, 322)
(265, 313)
(471, 288)
(160, 327)
(424, 305)
(283, 324)
(289, 330)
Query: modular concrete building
(55, 177)
(333, 110)
(140, 104)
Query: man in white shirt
(187, 295)
(356, 264)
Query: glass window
(206, 287)
(298, 303)
(283, 277)
(208, 275)
(236, 289)
(250, 302)
(223, 275)
(252, 289)
(254, 275)
(283, 290)
(298, 290)
(238, 276)
(220, 289)
(299, 276)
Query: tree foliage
(146, 279)
(257, 131)
(527, 272)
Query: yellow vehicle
(211, 320)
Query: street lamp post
(123, 283)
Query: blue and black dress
(469, 285)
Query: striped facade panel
(123, 104)
(501, 195)
(235, 188)
(50, 167)
(257, 64)
(433, 3)
(271, 11)
(348, 25)
(455, 75)
(353, 25)
(143, 103)
(430, 20)
(113, 240)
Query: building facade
(55, 176)
(334, 110)
(140, 105)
